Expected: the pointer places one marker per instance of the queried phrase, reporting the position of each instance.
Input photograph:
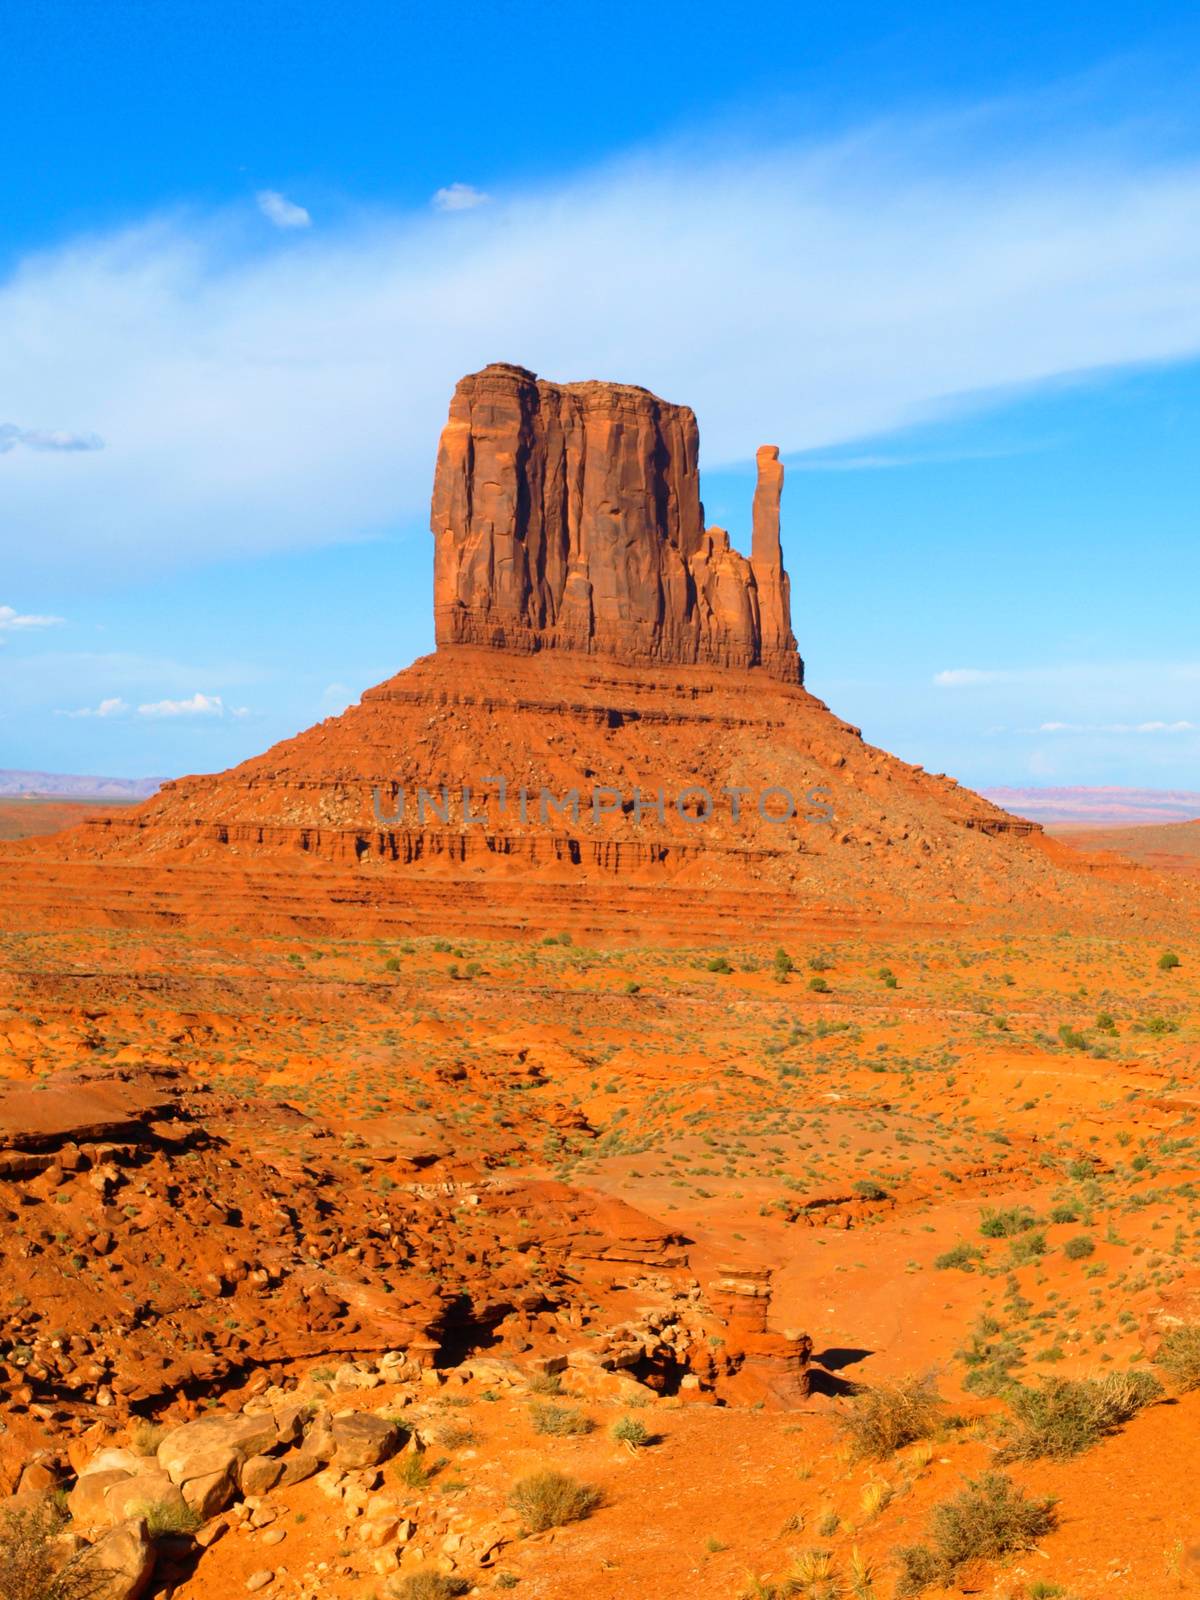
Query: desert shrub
(783, 964)
(1065, 1416)
(1179, 1356)
(868, 1189)
(548, 1499)
(989, 1518)
(1071, 1038)
(1167, 961)
(995, 1224)
(1026, 1247)
(31, 1565)
(890, 1415)
(545, 1383)
(1080, 1246)
(392, 964)
(718, 964)
(164, 1518)
(1064, 1213)
(631, 1430)
(414, 1472)
(559, 1420)
(429, 1585)
(963, 1256)
(819, 962)
(818, 985)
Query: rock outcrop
(568, 516)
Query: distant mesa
(568, 517)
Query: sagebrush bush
(632, 1431)
(548, 1499)
(883, 1419)
(989, 1518)
(559, 1420)
(1065, 1416)
(1179, 1356)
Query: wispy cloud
(281, 211)
(11, 620)
(46, 439)
(199, 705)
(268, 401)
(113, 707)
(458, 197)
(1157, 726)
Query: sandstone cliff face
(568, 516)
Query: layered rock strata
(568, 517)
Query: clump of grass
(559, 1420)
(429, 1585)
(1079, 1247)
(818, 985)
(988, 1519)
(1065, 1416)
(545, 1383)
(549, 1499)
(631, 1431)
(883, 1419)
(165, 1518)
(1179, 1356)
(414, 1472)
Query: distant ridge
(72, 786)
(1102, 806)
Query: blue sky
(949, 261)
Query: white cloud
(46, 439)
(200, 705)
(12, 620)
(968, 677)
(284, 213)
(1181, 726)
(810, 295)
(458, 197)
(113, 707)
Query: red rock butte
(592, 633)
(568, 517)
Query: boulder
(362, 1440)
(120, 1565)
(204, 1458)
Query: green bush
(1005, 1224)
(989, 1518)
(886, 1417)
(1066, 1416)
(1179, 1356)
(964, 1256)
(631, 1431)
(1167, 961)
(548, 1499)
(718, 964)
(818, 985)
(1080, 1246)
